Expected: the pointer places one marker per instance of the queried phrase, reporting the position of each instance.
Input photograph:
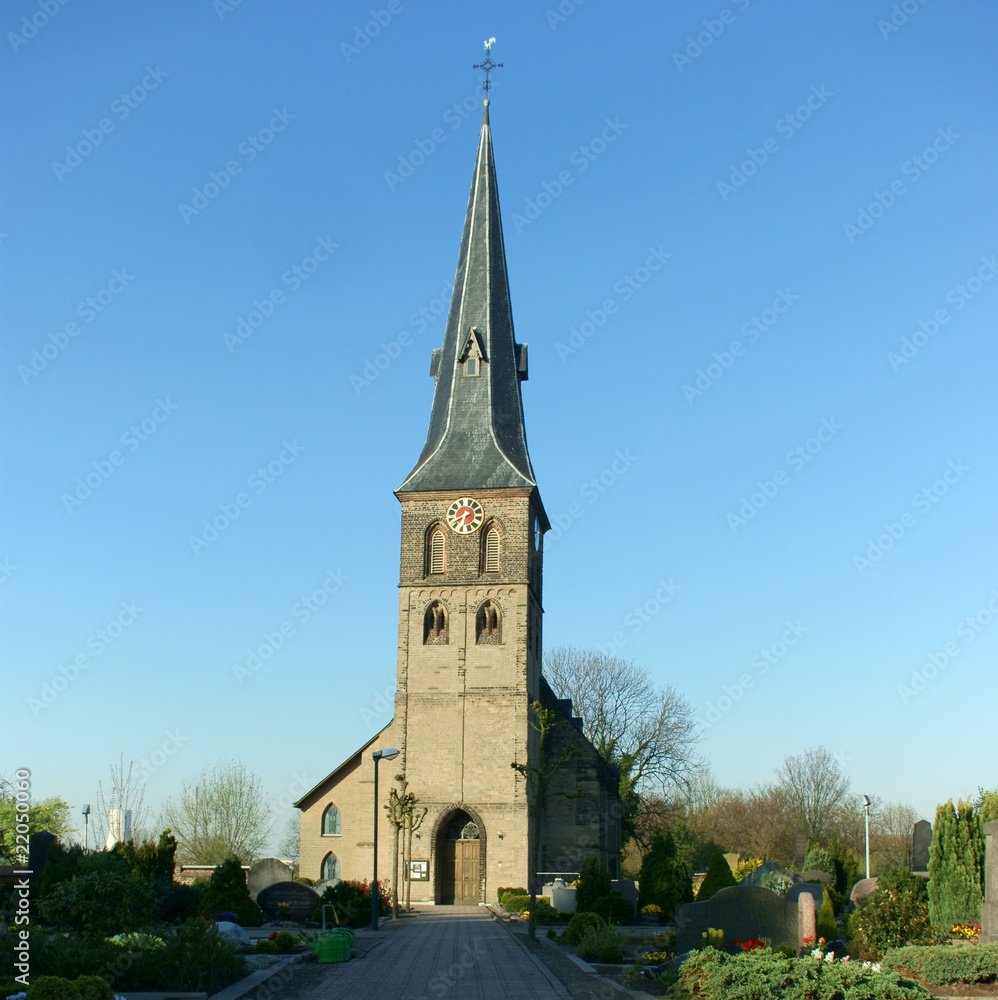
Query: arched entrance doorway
(460, 856)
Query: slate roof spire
(476, 438)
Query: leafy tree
(719, 876)
(665, 880)
(891, 828)
(648, 733)
(51, 814)
(956, 866)
(221, 813)
(986, 805)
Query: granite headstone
(301, 900)
(989, 908)
(813, 889)
(744, 912)
(266, 872)
(807, 922)
(921, 840)
(817, 876)
(862, 889)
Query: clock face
(465, 515)
(537, 533)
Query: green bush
(945, 963)
(719, 876)
(285, 941)
(503, 891)
(227, 892)
(827, 928)
(594, 882)
(581, 925)
(9, 986)
(199, 958)
(51, 988)
(175, 902)
(895, 915)
(516, 904)
(151, 859)
(99, 902)
(603, 944)
(665, 880)
(745, 868)
(846, 864)
(614, 909)
(93, 988)
(352, 902)
(817, 859)
(265, 947)
(715, 975)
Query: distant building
(469, 644)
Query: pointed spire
(476, 438)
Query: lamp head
(389, 754)
(866, 802)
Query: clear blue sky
(774, 198)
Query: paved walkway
(448, 951)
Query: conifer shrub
(826, 926)
(715, 975)
(719, 876)
(613, 908)
(665, 880)
(818, 859)
(944, 964)
(956, 866)
(745, 868)
(227, 892)
(93, 988)
(51, 988)
(594, 882)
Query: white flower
(830, 957)
(816, 953)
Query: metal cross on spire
(488, 65)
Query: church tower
(470, 582)
(469, 639)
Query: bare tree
(289, 847)
(125, 794)
(221, 813)
(814, 789)
(647, 732)
(891, 828)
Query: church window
(435, 625)
(472, 356)
(331, 821)
(488, 624)
(462, 827)
(330, 867)
(471, 366)
(436, 554)
(492, 550)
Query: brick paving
(453, 951)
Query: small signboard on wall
(419, 871)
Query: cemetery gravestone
(744, 912)
(266, 872)
(807, 923)
(921, 840)
(862, 889)
(812, 889)
(817, 876)
(301, 900)
(989, 908)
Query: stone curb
(243, 986)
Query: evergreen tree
(665, 880)
(827, 928)
(718, 876)
(956, 866)
(818, 859)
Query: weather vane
(488, 65)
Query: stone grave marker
(862, 889)
(816, 876)
(301, 900)
(813, 889)
(989, 908)
(266, 872)
(807, 922)
(744, 912)
(760, 875)
(921, 840)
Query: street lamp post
(866, 807)
(390, 754)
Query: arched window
(330, 867)
(488, 623)
(462, 827)
(435, 625)
(490, 561)
(436, 555)
(331, 821)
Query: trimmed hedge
(947, 963)
(581, 925)
(715, 975)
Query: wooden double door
(460, 872)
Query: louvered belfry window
(436, 560)
(492, 551)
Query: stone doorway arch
(460, 851)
